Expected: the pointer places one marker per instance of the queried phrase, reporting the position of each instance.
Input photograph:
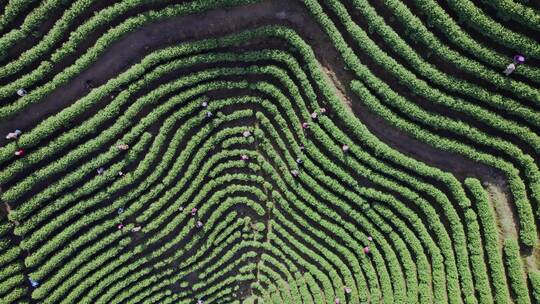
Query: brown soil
(500, 200)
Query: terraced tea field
(269, 151)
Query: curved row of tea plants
(285, 213)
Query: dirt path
(500, 200)
(507, 220)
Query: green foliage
(261, 231)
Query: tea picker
(34, 283)
(122, 147)
(21, 92)
(518, 59)
(509, 69)
(14, 135)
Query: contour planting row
(438, 122)
(475, 18)
(460, 40)
(317, 195)
(182, 235)
(13, 287)
(450, 83)
(91, 55)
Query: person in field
(299, 161)
(19, 152)
(347, 290)
(209, 114)
(100, 170)
(295, 173)
(345, 148)
(14, 135)
(136, 229)
(244, 157)
(314, 115)
(204, 104)
(509, 69)
(21, 92)
(337, 301)
(518, 59)
(193, 211)
(120, 210)
(246, 134)
(122, 147)
(366, 250)
(34, 283)
(199, 224)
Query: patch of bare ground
(507, 220)
(338, 87)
